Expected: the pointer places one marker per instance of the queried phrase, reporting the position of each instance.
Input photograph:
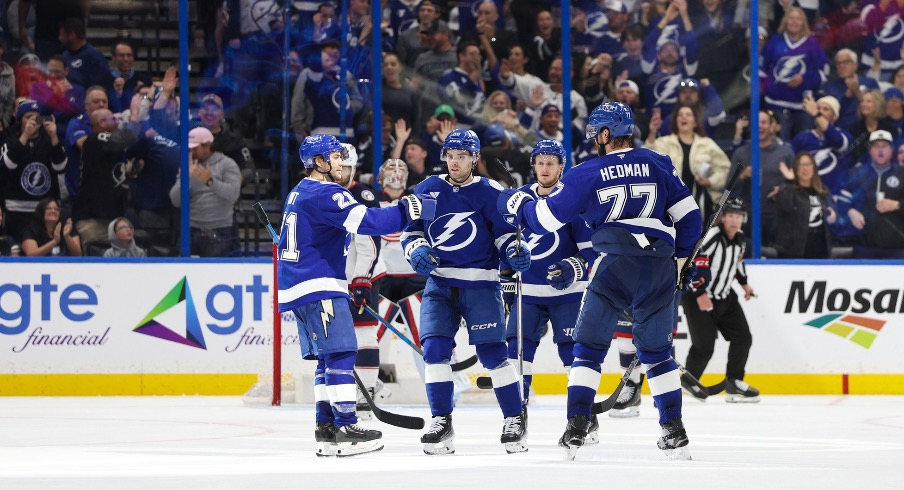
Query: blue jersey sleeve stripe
(682, 207)
(547, 220)
(651, 223)
(354, 218)
(316, 285)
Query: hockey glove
(421, 256)
(565, 272)
(518, 256)
(510, 201)
(418, 206)
(703, 276)
(508, 287)
(687, 275)
(361, 290)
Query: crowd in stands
(91, 133)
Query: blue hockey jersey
(831, 152)
(401, 15)
(886, 32)
(782, 60)
(464, 95)
(315, 237)
(626, 197)
(549, 248)
(467, 232)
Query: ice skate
(352, 440)
(693, 389)
(593, 436)
(674, 440)
(574, 436)
(325, 435)
(628, 403)
(514, 434)
(737, 391)
(378, 394)
(438, 439)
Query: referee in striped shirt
(714, 308)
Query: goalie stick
(397, 420)
(458, 366)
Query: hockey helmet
(462, 139)
(548, 147)
(350, 158)
(613, 115)
(735, 205)
(319, 144)
(393, 173)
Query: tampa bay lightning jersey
(637, 191)
(830, 151)
(782, 60)
(467, 232)
(315, 235)
(886, 32)
(323, 94)
(402, 16)
(547, 249)
(465, 95)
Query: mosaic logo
(858, 329)
(193, 334)
(842, 302)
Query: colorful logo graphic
(193, 335)
(858, 329)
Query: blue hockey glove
(565, 272)
(418, 206)
(510, 201)
(518, 256)
(421, 256)
(508, 287)
(685, 277)
(361, 290)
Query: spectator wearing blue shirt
(126, 80)
(87, 66)
(848, 86)
(894, 112)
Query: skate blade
(625, 413)
(729, 398)
(439, 449)
(592, 438)
(355, 448)
(516, 447)
(571, 452)
(326, 449)
(678, 454)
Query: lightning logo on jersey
(665, 91)
(542, 246)
(449, 224)
(326, 315)
(788, 67)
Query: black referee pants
(726, 318)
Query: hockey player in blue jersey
(644, 223)
(317, 222)
(459, 251)
(549, 299)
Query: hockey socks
(323, 413)
(504, 375)
(665, 385)
(438, 374)
(626, 352)
(367, 361)
(340, 385)
(528, 353)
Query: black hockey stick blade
(607, 404)
(717, 388)
(497, 171)
(394, 419)
(461, 366)
(485, 383)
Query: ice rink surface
(216, 442)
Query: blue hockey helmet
(613, 115)
(548, 147)
(320, 144)
(462, 139)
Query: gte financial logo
(229, 318)
(843, 309)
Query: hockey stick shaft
(608, 403)
(397, 420)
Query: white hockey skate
(628, 403)
(379, 394)
(438, 438)
(674, 440)
(352, 440)
(514, 434)
(737, 391)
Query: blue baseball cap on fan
(26, 106)
(893, 93)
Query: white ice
(216, 442)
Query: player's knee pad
(588, 353)
(566, 352)
(340, 361)
(625, 345)
(651, 358)
(492, 354)
(366, 336)
(438, 350)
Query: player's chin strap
(466, 179)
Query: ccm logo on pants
(483, 326)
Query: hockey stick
(701, 390)
(458, 366)
(738, 170)
(608, 403)
(497, 168)
(397, 420)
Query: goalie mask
(393, 174)
(349, 159)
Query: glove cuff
(361, 282)
(577, 266)
(413, 205)
(509, 287)
(414, 245)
